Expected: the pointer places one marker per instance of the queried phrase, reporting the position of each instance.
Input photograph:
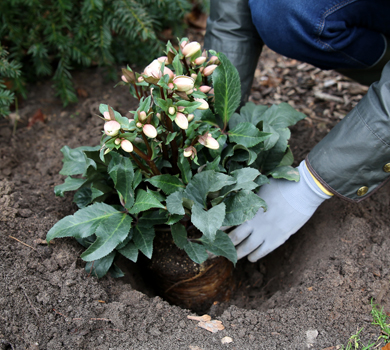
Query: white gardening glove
(290, 205)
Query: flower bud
(204, 105)
(205, 89)
(183, 83)
(124, 79)
(191, 48)
(138, 125)
(153, 72)
(169, 72)
(212, 143)
(213, 60)
(149, 130)
(112, 128)
(140, 79)
(163, 59)
(117, 141)
(127, 146)
(200, 60)
(106, 115)
(181, 121)
(171, 110)
(142, 116)
(108, 150)
(190, 151)
(194, 76)
(171, 86)
(190, 117)
(181, 108)
(208, 70)
(189, 92)
(158, 115)
(184, 43)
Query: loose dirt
(313, 292)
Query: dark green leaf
(153, 217)
(99, 268)
(130, 251)
(70, 184)
(145, 201)
(143, 239)
(274, 136)
(276, 154)
(208, 222)
(247, 134)
(174, 218)
(196, 252)
(185, 169)
(109, 234)
(222, 246)
(227, 88)
(179, 235)
(242, 207)
(85, 195)
(122, 173)
(175, 203)
(281, 116)
(75, 161)
(285, 172)
(83, 223)
(250, 113)
(244, 180)
(167, 183)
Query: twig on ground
(22, 242)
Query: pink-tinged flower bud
(181, 108)
(171, 86)
(184, 43)
(158, 115)
(181, 121)
(117, 141)
(169, 72)
(183, 83)
(153, 72)
(191, 48)
(212, 143)
(214, 60)
(171, 110)
(208, 70)
(127, 146)
(149, 130)
(205, 89)
(112, 128)
(140, 79)
(190, 117)
(200, 60)
(142, 116)
(163, 59)
(211, 92)
(106, 115)
(194, 76)
(189, 92)
(190, 151)
(139, 125)
(204, 105)
(124, 79)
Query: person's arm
(352, 161)
(230, 30)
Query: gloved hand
(290, 205)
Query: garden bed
(313, 292)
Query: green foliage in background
(50, 38)
(9, 73)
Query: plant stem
(150, 152)
(136, 91)
(150, 162)
(186, 64)
(140, 165)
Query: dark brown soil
(313, 292)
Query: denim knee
(328, 34)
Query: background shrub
(50, 38)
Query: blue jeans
(330, 34)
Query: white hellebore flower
(181, 121)
(127, 146)
(112, 128)
(149, 130)
(204, 105)
(184, 83)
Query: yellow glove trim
(322, 188)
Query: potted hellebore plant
(169, 181)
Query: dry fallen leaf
(386, 347)
(37, 117)
(226, 340)
(213, 326)
(310, 289)
(204, 318)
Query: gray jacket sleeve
(353, 160)
(230, 30)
